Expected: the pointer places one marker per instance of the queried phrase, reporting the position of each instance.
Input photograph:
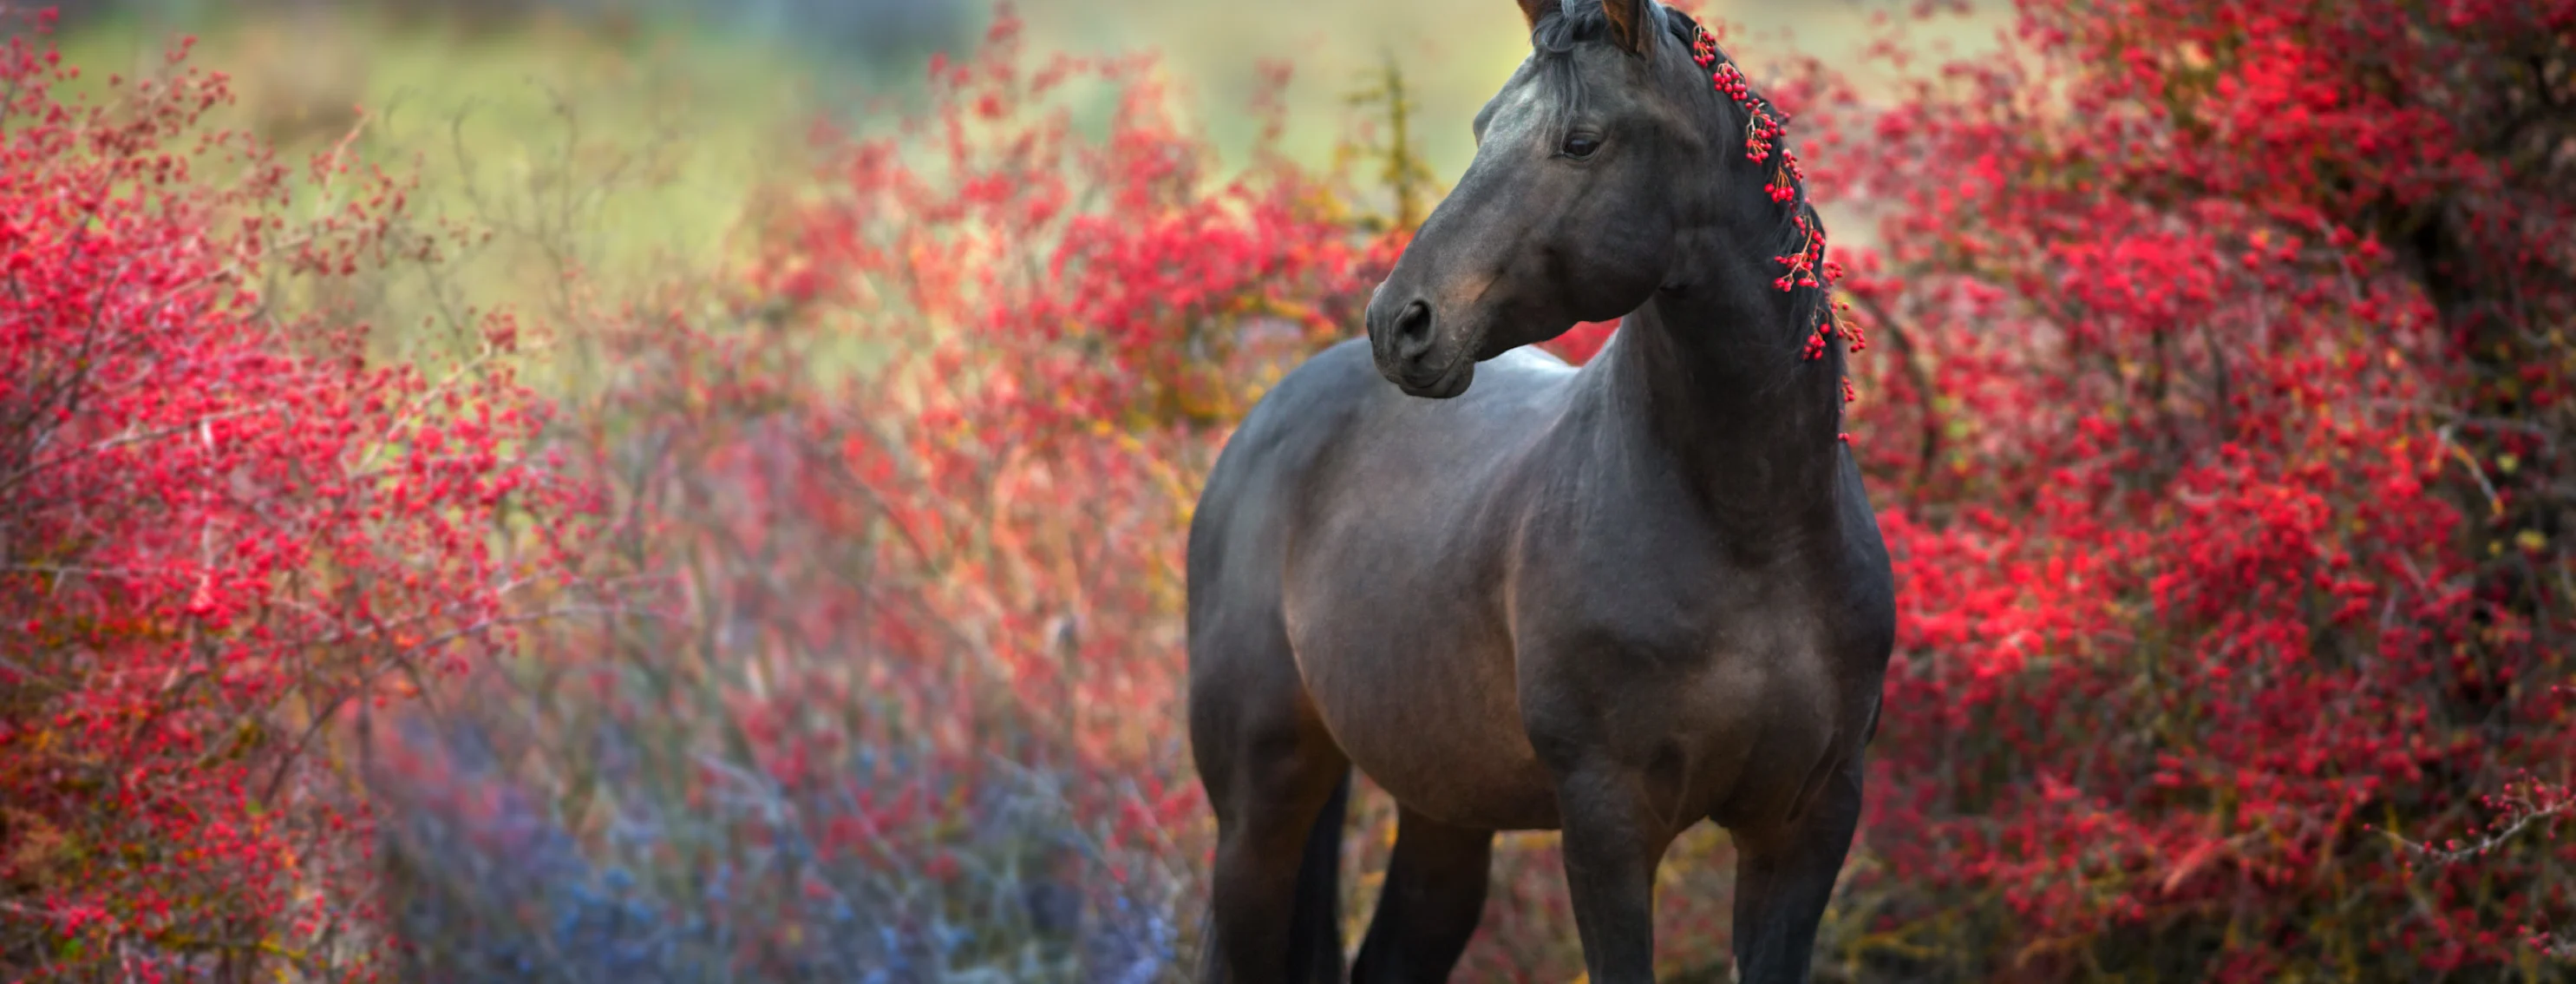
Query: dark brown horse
(1613, 600)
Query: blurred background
(868, 355)
(743, 79)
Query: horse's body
(1614, 600)
(1405, 551)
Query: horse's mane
(1552, 42)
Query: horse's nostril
(1413, 326)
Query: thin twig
(1916, 376)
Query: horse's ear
(1628, 23)
(1535, 9)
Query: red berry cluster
(2215, 547)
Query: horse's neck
(1717, 384)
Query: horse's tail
(1315, 920)
(1315, 924)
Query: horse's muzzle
(1405, 340)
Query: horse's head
(1571, 207)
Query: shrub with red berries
(223, 526)
(2221, 446)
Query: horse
(1612, 601)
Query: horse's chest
(1729, 689)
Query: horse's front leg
(1783, 878)
(1613, 840)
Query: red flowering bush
(900, 504)
(1040, 322)
(222, 525)
(2219, 446)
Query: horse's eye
(1581, 145)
